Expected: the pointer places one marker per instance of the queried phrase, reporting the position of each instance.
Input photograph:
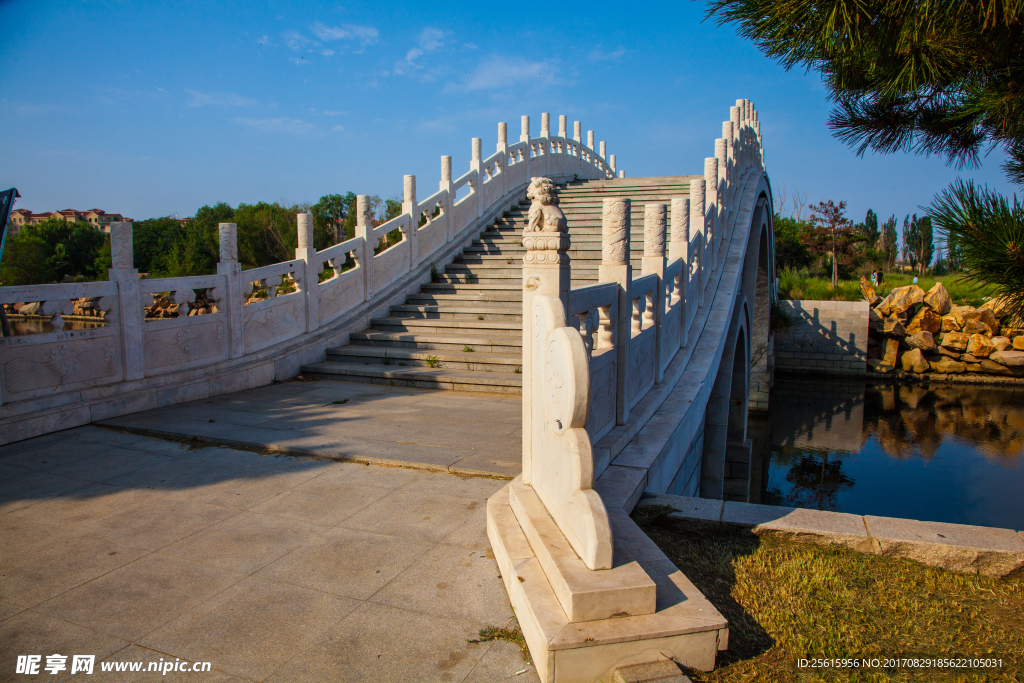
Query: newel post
(364, 229)
(653, 261)
(524, 136)
(503, 148)
(129, 303)
(411, 208)
(679, 248)
(545, 132)
(446, 187)
(545, 272)
(232, 301)
(476, 165)
(307, 252)
(724, 200)
(615, 268)
(698, 223)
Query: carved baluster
(649, 310)
(637, 306)
(606, 328)
(55, 309)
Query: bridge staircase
(463, 331)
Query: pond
(944, 453)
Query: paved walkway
(271, 567)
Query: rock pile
(163, 307)
(918, 332)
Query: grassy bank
(786, 601)
(802, 285)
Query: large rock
(949, 353)
(892, 350)
(973, 367)
(903, 298)
(956, 341)
(981, 321)
(980, 346)
(921, 340)
(959, 312)
(927, 320)
(879, 365)
(884, 306)
(1001, 343)
(868, 291)
(997, 305)
(875, 321)
(1018, 343)
(894, 327)
(948, 366)
(950, 324)
(913, 361)
(1009, 358)
(938, 298)
(994, 368)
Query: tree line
(60, 251)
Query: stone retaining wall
(826, 337)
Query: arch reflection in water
(949, 453)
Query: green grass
(802, 285)
(786, 601)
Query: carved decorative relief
(615, 232)
(121, 256)
(602, 401)
(59, 364)
(228, 242)
(545, 236)
(340, 297)
(272, 323)
(654, 230)
(185, 344)
(641, 367)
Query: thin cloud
(366, 35)
(338, 129)
(502, 72)
(218, 99)
(284, 124)
(295, 40)
(429, 40)
(599, 55)
(327, 53)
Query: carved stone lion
(545, 216)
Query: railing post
(611, 163)
(545, 132)
(679, 248)
(604, 150)
(727, 166)
(233, 298)
(524, 136)
(711, 202)
(698, 223)
(737, 132)
(590, 154)
(545, 272)
(724, 205)
(446, 187)
(476, 165)
(615, 268)
(410, 207)
(364, 229)
(577, 135)
(503, 148)
(123, 272)
(653, 261)
(307, 252)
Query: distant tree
(918, 245)
(331, 213)
(790, 251)
(52, 250)
(888, 244)
(829, 217)
(26, 259)
(869, 228)
(906, 253)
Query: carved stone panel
(62, 364)
(602, 402)
(339, 298)
(273, 324)
(185, 344)
(641, 367)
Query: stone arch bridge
(631, 314)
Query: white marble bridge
(634, 321)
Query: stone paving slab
(474, 433)
(271, 567)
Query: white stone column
(233, 299)
(622, 174)
(476, 165)
(698, 224)
(653, 261)
(615, 267)
(503, 148)
(446, 185)
(524, 136)
(724, 209)
(307, 252)
(545, 272)
(611, 162)
(364, 229)
(711, 205)
(679, 248)
(130, 314)
(545, 125)
(730, 162)
(410, 207)
(577, 135)
(604, 150)
(577, 131)
(545, 132)
(562, 121)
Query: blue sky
(156, 108)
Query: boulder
(927, 320)
(938, 298)
(1009, 358)
(875, 321)
(921, 339)
(993, 368)
(948, 353)
(973, 367)
(903, 298)
(949, 323)
(980, 346)
(981, 316)
(948, 366)
(892, 350)
(959, 312)
(884, 306)
(997, 305)
(1018, 343)
(957, 341)
(1001, 343)
(913, 361)
(877, 365)
(968, 358)
(894, 327)
(868, 291)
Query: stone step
(495, 328)
(447, 312)
(494, 297)
(482, 361)
(433, 340)
(419, 377)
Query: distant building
(99, 218)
